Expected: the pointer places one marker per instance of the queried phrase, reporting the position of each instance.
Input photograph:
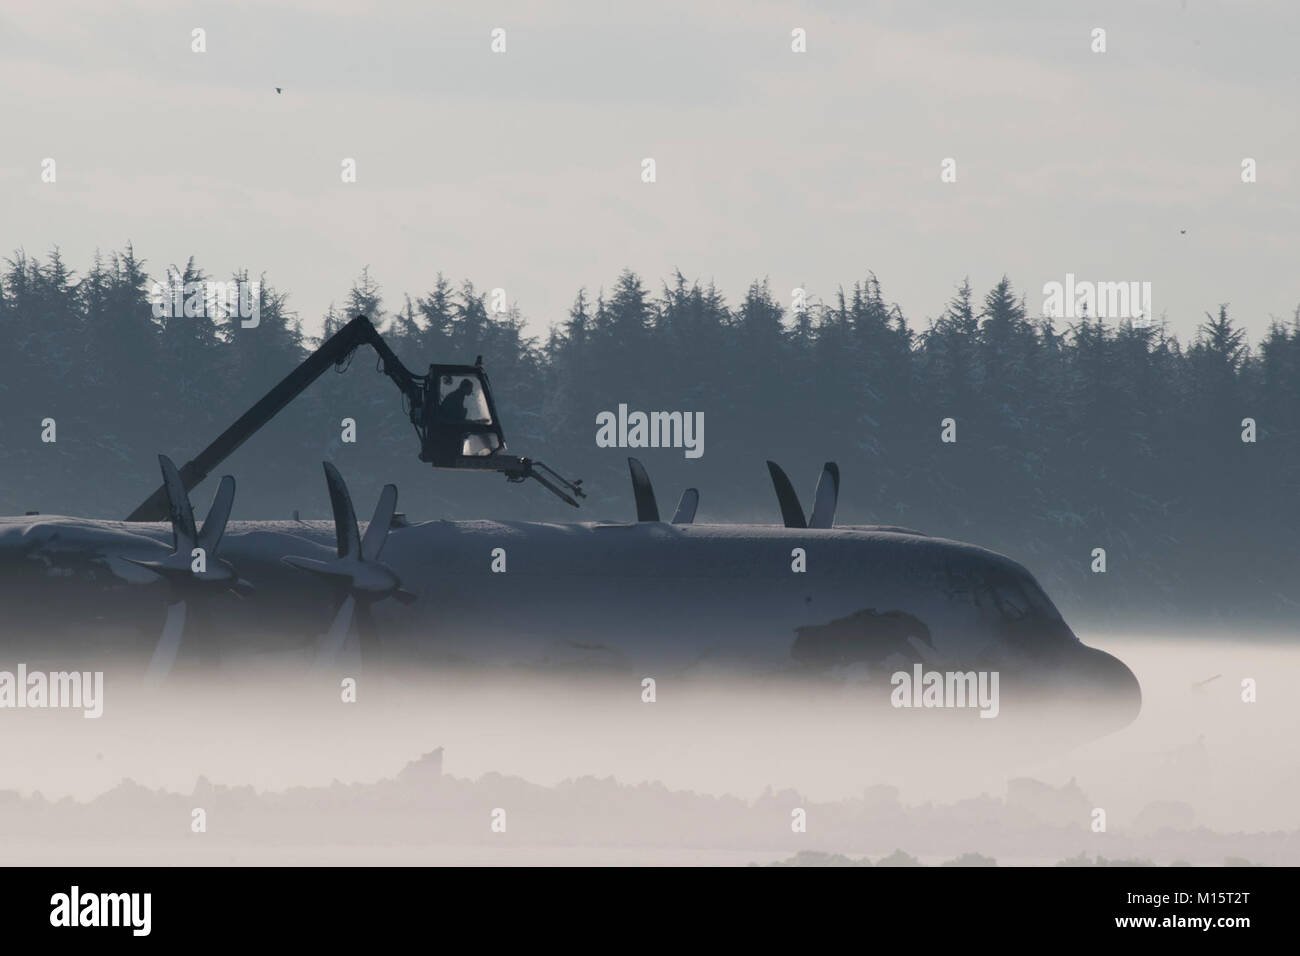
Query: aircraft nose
(1108, 682)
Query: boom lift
(451, 408)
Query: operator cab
(458, 419)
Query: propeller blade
(377, 531)
(791, 510)
(176, 571)
(214, 525)
(345, 518)
(406, 597)
(331, 645)
(157, 567)
(178, 507)
(326, 569)
(367, 639)
(690, 500)
(126, 570)
(647, 509)
(828, 493)
(164, 652)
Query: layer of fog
(1196, 743)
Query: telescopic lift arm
(420, 392)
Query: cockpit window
(1011, 601)
(1013, 597)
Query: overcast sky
(522, 169)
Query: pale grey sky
(522, 169)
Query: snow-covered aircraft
(821, 602)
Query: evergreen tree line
(1070, 436)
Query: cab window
(460, 399)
